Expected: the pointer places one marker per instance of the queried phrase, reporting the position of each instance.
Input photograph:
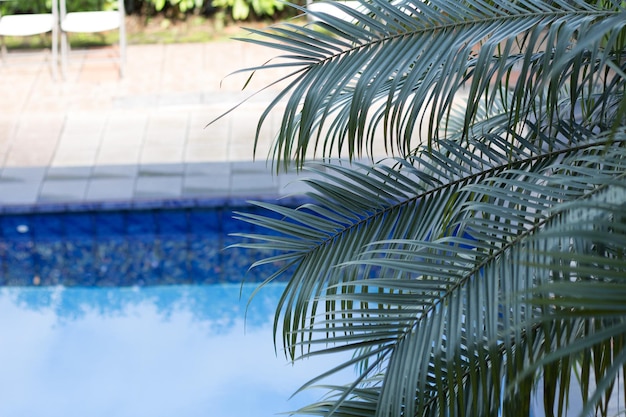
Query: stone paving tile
(165, 138)
(83, 122)
(206, 153)
(94, 136)
(28, 156)
(64, 172)
(133, 136)
(100, 189)
(292, 184)
(79, 141)
(115, 171)
(63, 190)
(110, 154)
(185, 99)
(206, 186)
(253, 178)
(170, 154)
(161, 170)
(221, 168)
(22, 173)
(158, 187)
(20, 185)
(72, 156)
(21, 193)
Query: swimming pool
(138, 313)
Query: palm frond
(489, 257)
(404, 64)
(389, 246)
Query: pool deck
(96, 138)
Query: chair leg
(64, 53)
(122, 49)
(3, 50)
(55, 53)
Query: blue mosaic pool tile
(109, 223)
(19, 263)
(232, 225)
(110, 205)
(150, 204)
(212, 202)
(47, 226)
(205, 221)
(122, 247)
(205, 260)
(86, 206)
(172, 222)
(140, 222)
(16, 208)
(174, 204)
(112, 262)
(80, 225)
(145, 262)
(175, 265)
(235, 263)
(16, 227)
(48, 257)
(3, 251)
(79, 262)
(48, 208)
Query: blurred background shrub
(235, 10)
(43, 6)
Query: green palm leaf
(422, 267)
(489, 257)
(387, 73)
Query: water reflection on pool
(153, 351)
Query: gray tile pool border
(148, 186)
(157, 204)
(129, 187)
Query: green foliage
(44, 6)
(24, 6)
(236, 9)
(485, 263)
(183, 6)
(267, 7)
(240, 9)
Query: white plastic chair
(92, 22)
(31, 25)
(330, 8)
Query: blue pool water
(140, 313)
(155, 351)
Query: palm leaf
(406, 62)
(422, 266)
(461, 271)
